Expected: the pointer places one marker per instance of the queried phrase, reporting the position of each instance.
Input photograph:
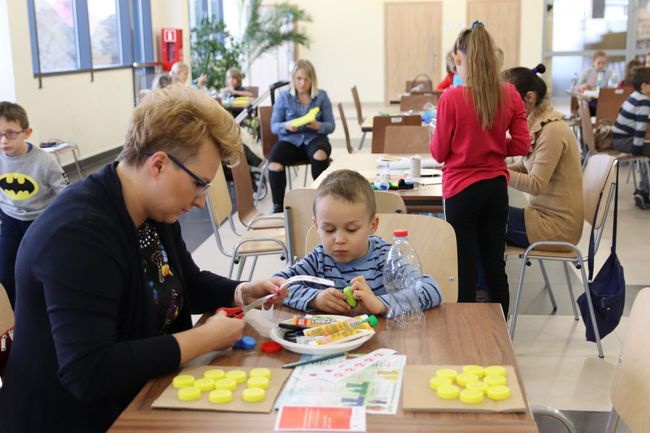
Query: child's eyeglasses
(200, 183)
(11, 135)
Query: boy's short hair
(14, 113)
(236, 73)
(598, 53)
(177, 119)
(640, 75)
(350, 186)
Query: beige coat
(552, 175)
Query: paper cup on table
(415, 166)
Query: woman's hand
(314, 125)
(289, 127)
(226, 331)
(330, 300)
(256, 289)
(364, 294)
(202, 80)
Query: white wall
(175, 14)
(7, 90)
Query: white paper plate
(277, 335)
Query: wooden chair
(252, 243)
(248, 214)
(379, 124)
(416, 102)
(631, 377)
(299, 213)
(344, 121)
(432, 238)
(360, 119)
(590, 144)
(255, 90)
(421, 83)
(407, 139)
(598, 177)
(609, 102)
(269, 139)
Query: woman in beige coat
(550, 174)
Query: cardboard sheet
(169, 400)
(418, 396)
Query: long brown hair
(481, 72)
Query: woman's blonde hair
(481, 72)
(236, 73)
(177, 119)
(306, 66)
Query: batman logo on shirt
(18, 186)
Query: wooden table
(423, 198)
(453, 334)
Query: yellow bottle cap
(189, 393)
(220, 396)
(263, 372)
(471, 396)
(183, 381)
(477, 386)
(214, 374)
(492, 370)
(238, 375)
(494, 380)
(476, 370)
(229, 384)
(447, 372)
(498, 392)
(204, 384)
(258, 382)
(464, 378)
(436, 381)
(448, 392)
(253, 395)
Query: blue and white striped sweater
(632, 120)
(320, 264)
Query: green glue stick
(349, 298)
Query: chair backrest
(631, 383)
(406, 139)
(389, 202)
(6, 312)
(379, 124)
(609, 102)
(432, 238)
(420, 83)
(218, 199)
(417, 101)
(243, 191)
(599, 175)
(255, 90)
(357, 105)
(346, 131)
(587, 127)
(268, 138)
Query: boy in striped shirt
(349, 254)
(628, 132)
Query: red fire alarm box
(172, 47)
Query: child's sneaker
(641, 200)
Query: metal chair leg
(287, 171)
(250, 275)
(513, 317)
(240, 268)
(570, 287)
(547, 285)
(612, 421)
(363, 137)
(591, 307)
(304, 182)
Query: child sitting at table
(234, 78)
(629, 131)
(598, 75)
(345, 217)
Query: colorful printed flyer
(321, 418)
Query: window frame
(132, 49)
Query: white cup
(415, 166)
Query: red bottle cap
(401, 233)
(270, 346)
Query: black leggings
(286, 153)
(479, 215)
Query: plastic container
(403, 280)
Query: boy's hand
(330, 300)
(362, 292)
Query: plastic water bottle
(600, 80)
(574, 82)
(429, 114)
(403, 280)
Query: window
(86, 35)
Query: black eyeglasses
(11, 135)
(200, 183)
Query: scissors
(239, 312)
